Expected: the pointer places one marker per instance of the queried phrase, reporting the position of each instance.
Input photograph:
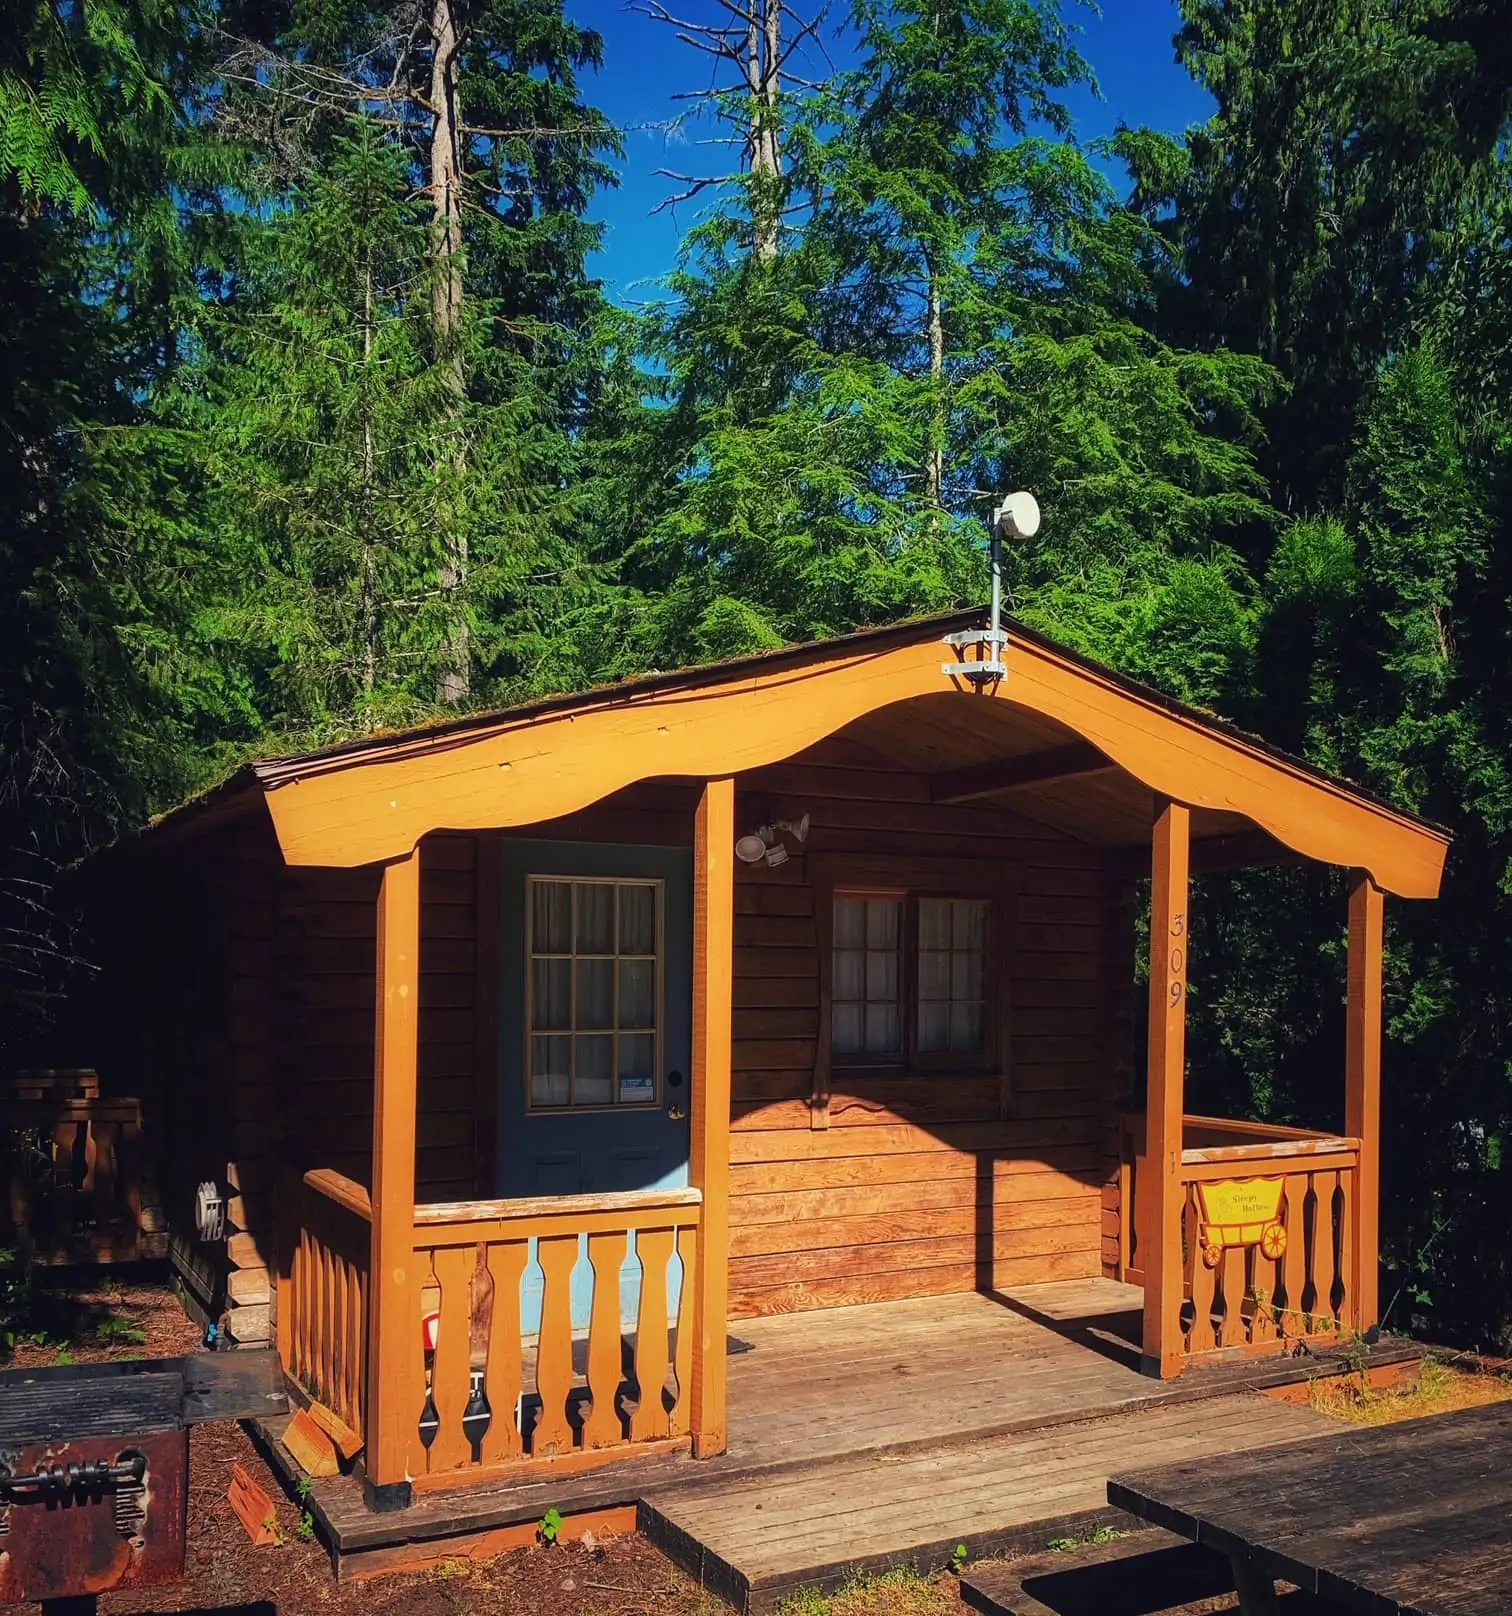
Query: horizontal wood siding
(329, 948)
(919, 1185)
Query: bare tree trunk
(446, 311)
(934, 454)
(369, 536)
(763, 73)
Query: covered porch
(909, 1078)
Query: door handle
(674, 1099)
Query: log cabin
(531, 1048)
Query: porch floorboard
(892, 1426)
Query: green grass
(902, 1591)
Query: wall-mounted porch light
(765, 845)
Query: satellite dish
(1019, 515)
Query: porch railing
(547, 1329)
(550, 1330)
(323, 1329)
(1237, 1294)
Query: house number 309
(1177, 960)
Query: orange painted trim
(1164, 1279)
(546, 1469)
(393, 1311)
(709, 1144)
(1362, 1084)
(377, 804)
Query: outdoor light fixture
(764, 845)
(1018, 517)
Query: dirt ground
(112, 1319)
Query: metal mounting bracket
(989, 667)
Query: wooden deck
(1399, 1520)
(867, 1435)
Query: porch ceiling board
(1009, 774)
(372, 801)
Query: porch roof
(1060, 737)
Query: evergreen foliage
(315, 423)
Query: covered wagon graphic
(1240, 1212)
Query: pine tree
(330, 428)
(482, 103)
(99, 694)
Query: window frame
(884, 877)
(658, 994)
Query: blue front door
(595, 1028)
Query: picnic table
(1413, 1518)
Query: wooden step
(753, 1539)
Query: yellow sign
(1241, 1212)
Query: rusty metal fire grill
(94, 1468)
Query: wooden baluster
(327, 1316)
(1232, 1331)
(1310, 1219)
(505, 1369)
(129, 1172)
(359, 1357)
(91, 1146)
(687, 1250)
(1262, 1284)
(1347, 1311)
(654, 1247)
(1294, 1263)
(557, 1255)
(304, 1290)
(104, 1175)
(607, 1254)
(1324, 1268)
(57, 1215)
(310, 1371)
(453, 1267)
(1190, 1250)
(342, 1391)
(338, 1330)
(1205, 1325)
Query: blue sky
(1129, 47)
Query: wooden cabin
(529, 1049)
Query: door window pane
(865, 997)
(594, 992)
(952, 975)
(637, 993)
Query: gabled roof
(372, 799)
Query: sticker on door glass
(635, 1088)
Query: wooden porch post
(1165, 1099)
(1362, 1085)
(709, 1164)
(393, 1324)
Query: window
(865, 993)
(952, 975)
(594, 991)
(908, 978)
